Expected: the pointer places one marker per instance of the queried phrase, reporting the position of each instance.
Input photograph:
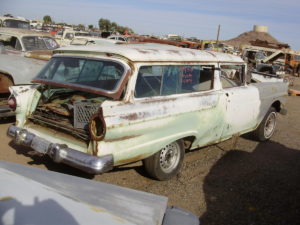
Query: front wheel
(166, 163)
(267, 127)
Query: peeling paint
(121, 138)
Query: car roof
(22, 32)
(13, 18)
(152, 53)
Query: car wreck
(22, 55)
(95, 108)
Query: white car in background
(22, 55)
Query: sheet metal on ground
(42, 196)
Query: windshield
(32, 43)
(101, 74)
(16, 24)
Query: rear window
(16, 24)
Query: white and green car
(97, 107)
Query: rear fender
(27, 97)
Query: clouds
(189, 18)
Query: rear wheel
(166, 163)
(267, 127)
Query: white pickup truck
(98, 107)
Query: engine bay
(66, 110)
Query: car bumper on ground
(61, 153)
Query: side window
(10, 42)
(168, 80)
(69, 36)
(148, 81)
(232, 75)
(197, 78)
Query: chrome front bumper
(61, 153)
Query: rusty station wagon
(95, 107)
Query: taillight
(12, 102)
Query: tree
(104, 24)
(114, 26)
(91, 26)
(47, 19)
(81, 27)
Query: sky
(190, 18)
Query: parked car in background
(97, 107)
(22, 55)
(64, 38)
(121, 38)
(94, 41)
(14, 22)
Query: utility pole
(218, 33)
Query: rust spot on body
(153, 100)
(174, 51)
(131, 116)
(133, 159)
(143, 52)
(25, 90)
(121, 138)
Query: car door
(185, 96)
(241, 101)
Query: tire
(267, 126)
(167, 162)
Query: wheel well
(7, 75)
(277, 105)
(5, 82)
(188, 141)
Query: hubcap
(169, 157)
(270, 125)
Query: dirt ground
(234, 182)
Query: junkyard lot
(235, 182)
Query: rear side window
(168, 80)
